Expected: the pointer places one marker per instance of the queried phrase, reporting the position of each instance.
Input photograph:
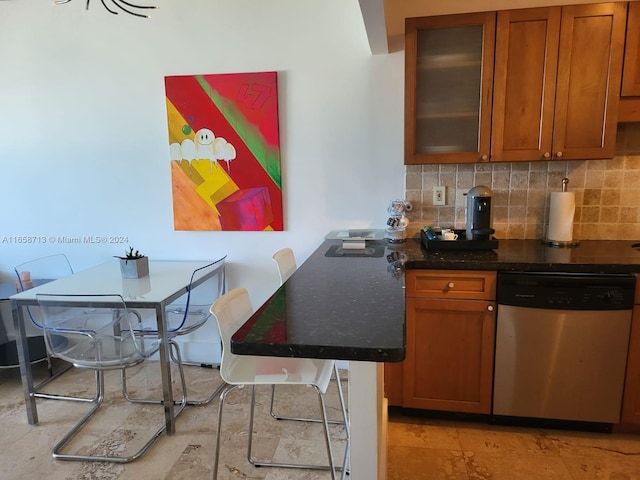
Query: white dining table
(166, 282)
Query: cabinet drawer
(472, 285)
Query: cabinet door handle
(559, 154)
(546, 155)
(490, 308)
(484, 158)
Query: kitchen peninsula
(342, 304)
(343, 307)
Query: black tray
(460, 244)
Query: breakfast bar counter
(342, 305)
(339, 304)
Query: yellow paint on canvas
(175, 122)
(191, 172)
(216, 185)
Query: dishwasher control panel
(566, 291)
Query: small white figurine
(397, 222)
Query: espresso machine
(479, 220)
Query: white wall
(83, 131)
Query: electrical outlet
(439, 195)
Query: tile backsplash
(607, 193)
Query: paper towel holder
(558, 243)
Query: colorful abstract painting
(225, 151)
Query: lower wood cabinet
(449, 362)
(450, 321)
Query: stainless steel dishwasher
(561, 345)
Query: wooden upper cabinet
(525, 84)
(448, 88)
(631, 71)
(557, 78)
(552, 93)
(589, 75)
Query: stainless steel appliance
(479, 213)
(561, 345)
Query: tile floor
(187, 455)
(419, 447)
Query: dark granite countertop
(591, 256)
(343, 307)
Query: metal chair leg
(316, 420)
(177, 359)
(223, 395)
(343, 403)
(347, 425)
(214, 394)
(52, 377)
(331, 467)
(56, 451)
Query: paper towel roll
(561, 211)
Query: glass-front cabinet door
(448, 88)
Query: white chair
(98, 333)
(286, 263)
(231, 311)
(32, 274)
(185, 315)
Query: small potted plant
(134, 264)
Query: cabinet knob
(484, 158)
(546, 155)
(451, 285)
(559, 154)
(490, 308)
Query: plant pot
(134, 268)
